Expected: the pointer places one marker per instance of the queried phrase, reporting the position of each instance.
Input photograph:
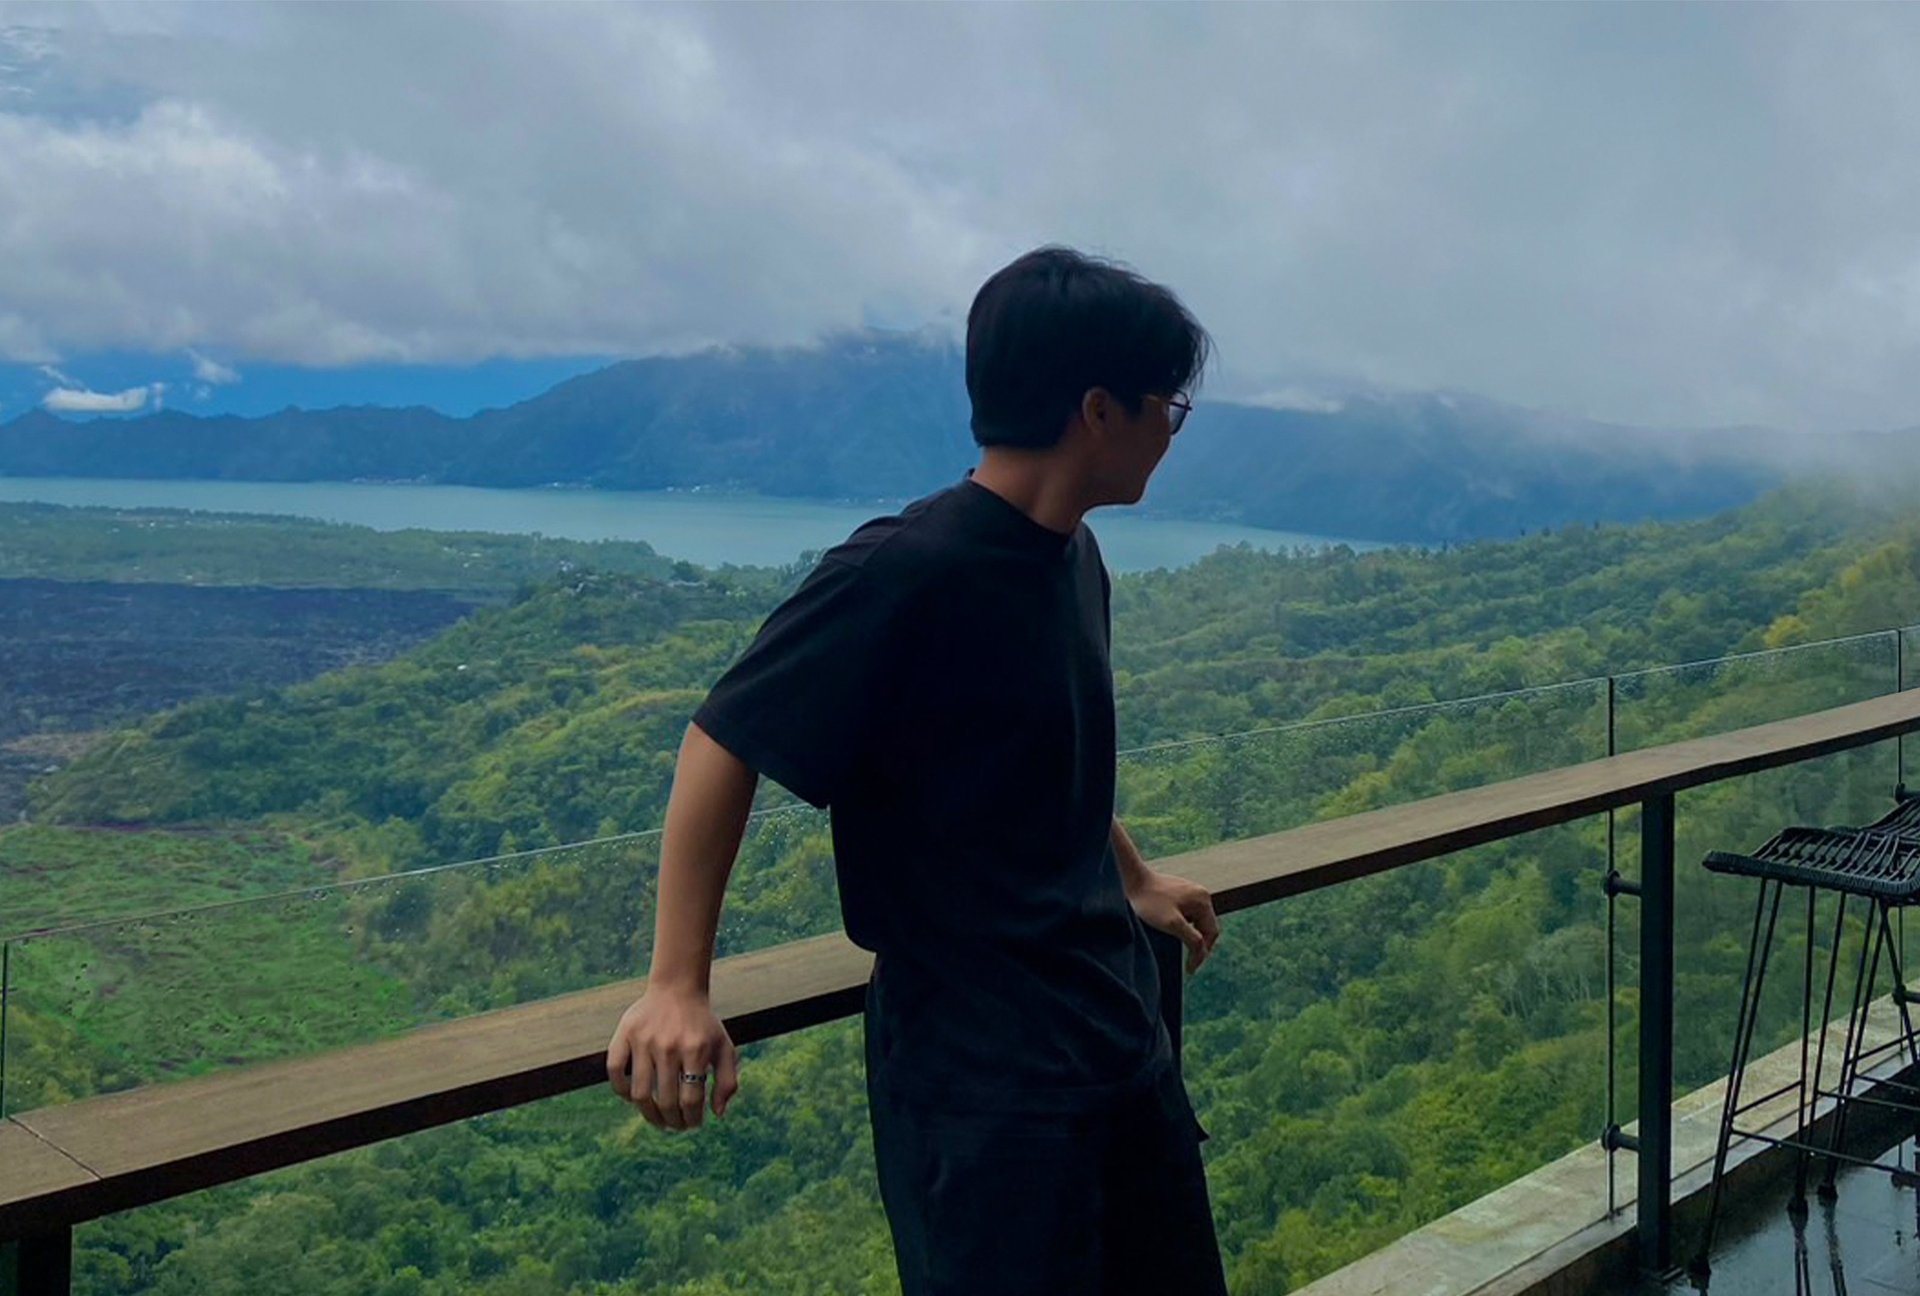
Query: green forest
(1366, 1058)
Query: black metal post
(1656, 1033)
(1900, 758)
(1613, 877)
(40, 1264)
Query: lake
(702, 527)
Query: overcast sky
(1658, 214)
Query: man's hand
(666, 1032)
(1179, 908)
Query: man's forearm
(1133, 869)
(706, 818)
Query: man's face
(1142, 441)
(1122, 446)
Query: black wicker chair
(1879, 864)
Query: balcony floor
(1863, 1245)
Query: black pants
(1109, 1202)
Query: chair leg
(1804, 1100)
(1906, 998)
(1758, 948)
(1826, 1019)
(1902, 998)
(1856, 1042)
(1908, 1090)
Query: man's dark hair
(1056, 323)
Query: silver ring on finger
(693, 1077)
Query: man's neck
(1033, 482)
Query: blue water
(702, 527)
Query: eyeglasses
(1177, 411)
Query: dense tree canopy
(1366, 1058)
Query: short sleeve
(799, 705)
(1106, 589)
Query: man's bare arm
(1165, 902)
(671, 1028)
(1133, 869)
(706, 819)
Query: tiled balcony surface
(1863, 1244)
(1550, 1234)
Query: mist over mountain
(1445, 467)
(877, 416)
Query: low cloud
(79, 400)
(212, 372)
(1296, 398)
(1659, 215)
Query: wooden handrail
(64, 1164)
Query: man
(941, 681)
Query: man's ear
(1096, 405)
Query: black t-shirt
(941, 681)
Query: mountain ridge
(881, 416)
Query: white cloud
(70, 400)
(288, 232)
(212, 372)
(1666, 214)
(61, 378)
(21, 342)
(1297, 398)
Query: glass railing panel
(1341, 1043)
(1373, 1057)
(1907, 669)
(108, 1006)
(1673, 703)
(1184, 795)
(1714, 912)
(1325, 1027)
(575, 1195)
(1340, 1094)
